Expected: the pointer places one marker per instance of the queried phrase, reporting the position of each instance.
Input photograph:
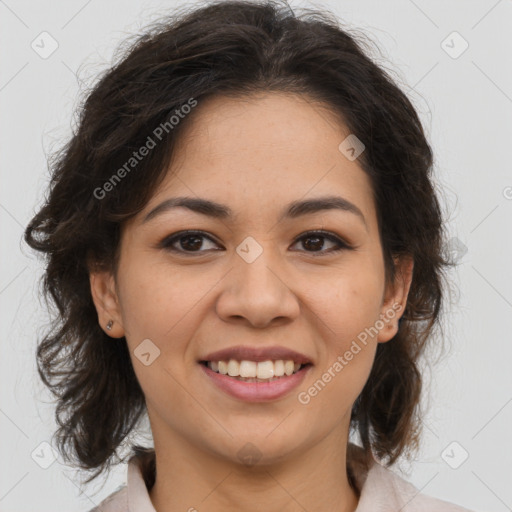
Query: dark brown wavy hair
(230, 48)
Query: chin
(258, 448)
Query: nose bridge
(257, 287)
(255, 272)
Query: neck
(189, 479)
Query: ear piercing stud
(109, 325)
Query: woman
(242, 218)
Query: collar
(380, 489)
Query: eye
(188, 242)
(314, 241)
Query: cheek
(161, 310)
(339, 383)
(157, 299)
(347, 302)
(347, 352)
(346, 307)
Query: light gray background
(466, 106)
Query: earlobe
(396, 298)
(106, 302)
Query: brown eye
(186, 242)
(193, 243)
(314, 242)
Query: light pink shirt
(382, 490)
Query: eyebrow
(292, 211)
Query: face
(257, 278)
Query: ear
(105, 299)
(395, 299)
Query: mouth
(255, 381)
(255, 371)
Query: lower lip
(256, 391)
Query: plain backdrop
(461, 84)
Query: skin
(255, 155)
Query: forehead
(263, 151)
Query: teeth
(233, 368)
(265, 370)
(223, 367)
(248, 369)
(255, 370)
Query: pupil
(192, 246)
(312, 246)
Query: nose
(257, 293)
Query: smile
(255, 381)
(263, 370)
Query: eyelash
(168, 241)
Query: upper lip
(244, 353)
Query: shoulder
(382, 489)
(383, 486)
(115, 502)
